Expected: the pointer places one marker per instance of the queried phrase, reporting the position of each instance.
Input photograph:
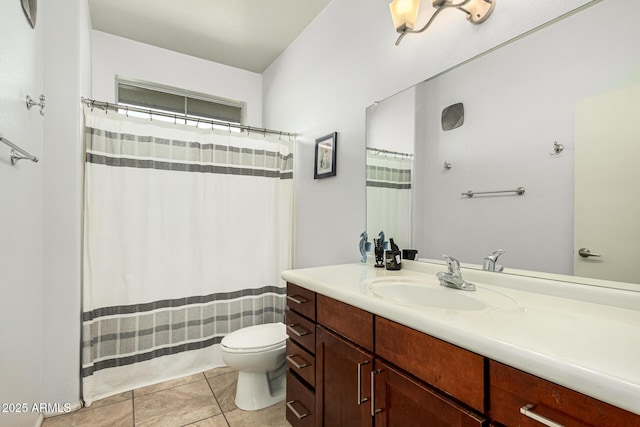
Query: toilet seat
(256, 338)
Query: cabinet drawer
(451, 369)
(301, 300)
(511, 389)
(349, 321)
(301, 362)
(301, 330)
(300, 403)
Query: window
(178, 102)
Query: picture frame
(325, 158)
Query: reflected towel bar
(17, 153)
(519, 191)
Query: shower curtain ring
(127, 111)
(229, 125)
(106, 110)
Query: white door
(607, 186)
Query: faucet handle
(493, 256)
(453, 264)
(490, 261)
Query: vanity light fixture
(405, 13)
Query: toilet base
(257, 390)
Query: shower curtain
(186, 232)
(389, 198)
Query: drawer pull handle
(374, 411)
(300, 331)
(361, 400)
(296, 413)
(297, 299)
(290, 358)
(527, 410)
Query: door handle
(374, 410)
(361, 400)
(586, 253)
(527, 411)
(290, 359)
(297, 329)
(299, 415)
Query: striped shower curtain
(186, 232)
(389, 196)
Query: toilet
(258, 354)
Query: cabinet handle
(527, 410)
(299, 332)
(361, 400)
(304, 363)
(374, 411)
(296, 413)
(297, 299)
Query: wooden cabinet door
(401, 401)
(343, 382)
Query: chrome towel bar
(519, 191)
(17, 153)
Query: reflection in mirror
(526, 101)
(390, 141)
(453, 116)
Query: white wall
(518, 100)
(67, 77)
(39, 207)
(391, 124)
(116, 56)
(341, 64)
(21, 257)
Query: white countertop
(586, 338)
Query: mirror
(519, 106)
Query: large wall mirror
(573, 83)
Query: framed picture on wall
(326, 149)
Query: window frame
(183, 93)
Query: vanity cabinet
(300, 318)
(521, 399)
(348, 367)
(350, 371)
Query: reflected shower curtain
(186, 232)
(389, 196)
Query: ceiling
(246, 34)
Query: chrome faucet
(453, 277)
(490, 261)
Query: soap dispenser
(392, 257)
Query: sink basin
(427, 292)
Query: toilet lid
(256, 337)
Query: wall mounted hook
(447, 166)
(30, 103)
(557, 149)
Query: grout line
(217, 401)
(133, 409)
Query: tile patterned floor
(201, 400)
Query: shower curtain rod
(124, 108)
(396, 153)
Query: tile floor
(201, 400)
